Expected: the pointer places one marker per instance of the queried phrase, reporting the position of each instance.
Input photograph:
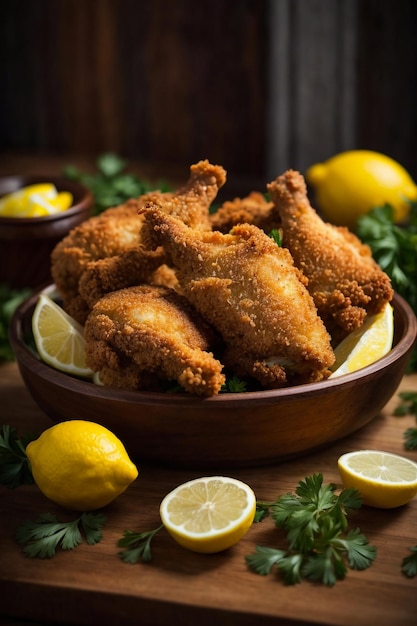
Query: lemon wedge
(384, 480)
(365, 345)
(35, 201)
(209, 514)
(59, 338)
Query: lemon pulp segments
(209, 514)
(385, 480)
(80, 465)
(59, 338)
(366, 344)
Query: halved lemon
(209, 514)
(366, 344)
(384, 480)
(59, 338)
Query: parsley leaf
(234, 385)
(319, 546)
(276, 235)
(395, 249)
(110, 184)
(408, 406)
(14, 465)
(409, 563)
(42, 537)
(138, 545)
(9, 301)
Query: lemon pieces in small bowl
(383, 479)
(35, 200)
(366, 344)
(209, 514)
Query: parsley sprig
(320, 546)
(394, 248)
(14, 465)
(138, 545)
(9, 301)
(409, 563)
(111, 184)
(42, 537)
(408, 406)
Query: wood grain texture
(90, 585)
(256, 85)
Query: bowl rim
(84, 203)
(28, 358)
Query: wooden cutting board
(91, 585)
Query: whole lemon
(352, 183)
(80, 465)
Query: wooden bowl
(233, 429)
(26, 243)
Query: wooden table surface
(91, 585)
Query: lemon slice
(59, 338)
(209, 514)
(384, 480)
(365, 345)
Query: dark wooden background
(256, 85)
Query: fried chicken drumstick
(140, 334)
(344, 280)
(105, 253)
(247, 287)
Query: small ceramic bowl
(26, 243)
(227, 430)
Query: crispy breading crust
(248, 288)
(253, 209)
(138, 331)
(105, 253)
(343, 278)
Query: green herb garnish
(111, 185)
(42, 537)
(408, 406)
(14, 465)
(138, 545)
(409, 563)
(394, 248)
(320, 546)
(9, 301)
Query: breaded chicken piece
(191, 203)
(253, 209)
(106, 236)
(145, 333)
(247, 287)
(105, 253)
(343, 279)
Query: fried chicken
(191, 203)
(247, 287)
(138, 335)
(253, 209)
(106, 236)
(105, 253)
(345, 282)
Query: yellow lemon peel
(80, 465)
(383, 479)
